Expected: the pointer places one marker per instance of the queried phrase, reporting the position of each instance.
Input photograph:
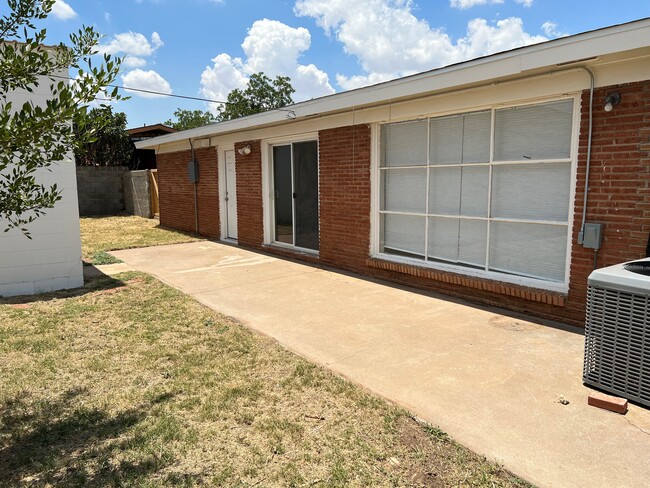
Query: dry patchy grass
(129, 382)
(101, 234)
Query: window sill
(517, 291)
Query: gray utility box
(193, 171)
(617, 330)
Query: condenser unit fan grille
(617, 345)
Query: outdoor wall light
(612, 100)
(244, 151)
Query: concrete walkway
(490, 380)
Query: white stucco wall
(51, 260)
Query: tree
(111, 145)
(190, 119)
(261, 94)
(32, 137)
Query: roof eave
(560, 51)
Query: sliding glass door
(295, 185)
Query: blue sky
(205, 48)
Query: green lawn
(127, 382)
(101, 234)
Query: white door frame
(268, 200)
(223, 202)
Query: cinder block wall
(100, 190)
(137, 197)
(176, 193)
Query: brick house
(468, 180)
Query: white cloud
(129, 61)
(63, 11)
(146, 80)
(271, 47)
(389, 41)
(358, 81)
(551, 30)
(132, 43)
(463, 4)
(525, 3)
(225, 75)
(156, 40)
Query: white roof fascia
(589, 45)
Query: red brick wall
(619, 198)
(344, 179)
(250, 218)
(619, 184)
(176, 193)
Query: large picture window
(486, 190)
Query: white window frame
(469, 271)
(268, 193)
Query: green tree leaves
(190, 119)
(109, 143)
(260, 95)
(36, 135)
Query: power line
(152, 92)
(290, 113)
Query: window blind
(404, 144)
(533, 132)
(505, 212)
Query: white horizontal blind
(459, 191)
(531, 191)
(526, 249)
(404, 190)
(446, 142)
(533, 132)
(404, 144)
(526, 216)
(476, 137)
(404, 234)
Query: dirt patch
(433, 459)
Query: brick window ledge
(525, 293)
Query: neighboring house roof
(578, 50)
(149, 131)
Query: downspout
(196, 195)
(581, 234)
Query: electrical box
(593, 236)
(193, 171)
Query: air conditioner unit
(617, 331)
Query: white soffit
(579, 49)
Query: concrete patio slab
(491, 380)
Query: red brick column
(344, 172)
(250, 215)
(619, 184)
